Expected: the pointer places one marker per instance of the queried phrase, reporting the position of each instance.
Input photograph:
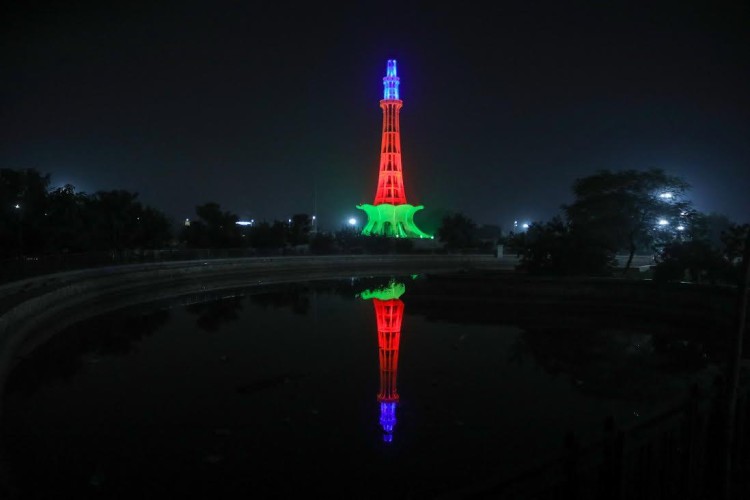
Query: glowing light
(393, 290)
(395, 221)
(525, 225)
(389, 314)
(390, 215)
(663, 222)
(680, 228)
(391, 81)
(388, 419)
(666, 195)
(244, 223)
(18, 206)
(352, 221)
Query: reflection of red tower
(389, 314)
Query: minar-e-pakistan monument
(390, 215)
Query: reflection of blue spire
(388, 419)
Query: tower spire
(391, 81)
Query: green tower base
(393, 221)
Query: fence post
(690, 441)
(611, 477)
(734, 367)
(741, 441)
(570, 466)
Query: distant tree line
(36, 220)
(633, 212)
(626, 212)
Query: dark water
(274, 393)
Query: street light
(17, 206)
(352, 221)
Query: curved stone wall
(35, 309)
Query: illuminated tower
(390, 215)
(389, 312)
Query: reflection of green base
(393, 290)
(393, 221)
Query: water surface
(292, 389)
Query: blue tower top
(390, 82)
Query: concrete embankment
(36, 308)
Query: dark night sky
(260, 105)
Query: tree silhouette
(213, 229)
(299, 229)
(23, 202)
(629, 210)
(457, 231)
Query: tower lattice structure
(390, 214)
(391, 177)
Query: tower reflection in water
(389, 312)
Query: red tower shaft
(390, 177)
(389, 314)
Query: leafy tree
(154, 229)
(709, 227)
(350, 240)
(514, 243)
(268, 236)
(558, 248)
(374, 244)
(23, 199)
(214, 228)
(735, 241)
(377, 244)
(457, 231)
(322, 243)
(35, 219)
(113, 219)
(694, 260)
(711, 253)
(299, 229)
(66, 220)
(629, 210)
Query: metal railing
(674, 455)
